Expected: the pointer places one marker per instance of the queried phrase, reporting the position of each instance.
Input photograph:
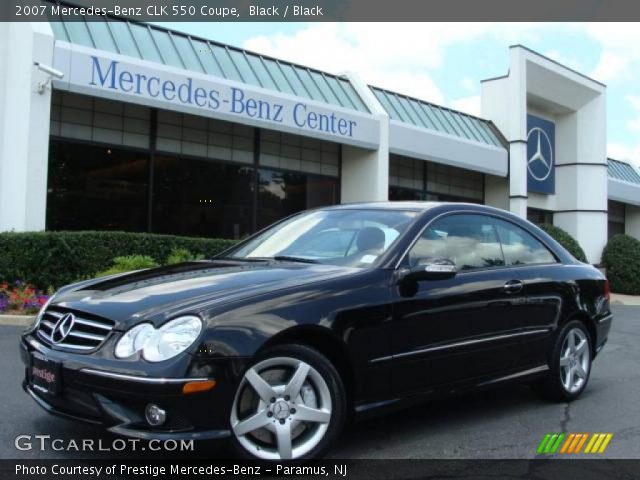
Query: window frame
(403, 261)
(513, 224)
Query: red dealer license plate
(44, 375)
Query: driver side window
(470, 241)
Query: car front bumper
(117, 400)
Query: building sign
(121, 78)
(541, 149)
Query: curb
(17, 320)
(627, 300)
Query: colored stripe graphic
(550, 443)
(599, 442)
(573, 443)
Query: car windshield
(346, 237)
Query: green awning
(622, 171)
(177, 49)
(435, 117)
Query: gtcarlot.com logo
(573, 443)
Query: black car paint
(386, 335)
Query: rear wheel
(290, 404)
(570, 364)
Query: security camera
(50, 70)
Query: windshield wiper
(286, 258)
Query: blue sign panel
(541, 152)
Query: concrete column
(24, 125)
(517, 121)
(365, 173)
(581, 186)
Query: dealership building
(151, 130)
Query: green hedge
(58, 258)
(621, 259)
(566, 240)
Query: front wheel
(290, 404)
(570, 364)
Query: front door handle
(513, 286)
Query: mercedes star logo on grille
(62, 327)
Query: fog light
(155, 415)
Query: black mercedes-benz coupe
(335, 312)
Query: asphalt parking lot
(502, 423)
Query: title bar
(322, 10)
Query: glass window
(58, 28)
(616, 213)
(537, 216)
(203, 50)
(123, 38)
(187, 53)
(79, 33)
(310, 85)
(101, 34)
(393, 100)
(338, 89)
(273, 70)
(243, 66)
(386, 103)
(260, 68)
(411, 114)
(294, 80)
(353, 95)
(470, 241)
(169, 52)
(424, 118)
(201, 198)
(281, 194)
(144, 41)
(520, 247)
(228, 67)
(475, 135)
(96, 188)
(322, 84)
(354, 238)
(398, 194)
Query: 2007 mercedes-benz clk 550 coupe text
(340, 311)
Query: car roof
(402, 205)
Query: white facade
(534, 85)
(577, 106)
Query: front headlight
(171, 339)
(133, 340)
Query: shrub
(129, 263)
(179, 255)
(621, 259)
(566, 240)
(57, 258)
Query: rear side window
(470, 241)
(520, 247)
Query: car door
(533, 264)
(447, 331)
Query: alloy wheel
(281, 410)
(575, 359)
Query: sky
(444, 62)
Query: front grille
(80, 332)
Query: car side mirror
(432, 269)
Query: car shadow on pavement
(404, 433)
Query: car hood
(160, 293)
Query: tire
(290, 404)
(569, 372)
